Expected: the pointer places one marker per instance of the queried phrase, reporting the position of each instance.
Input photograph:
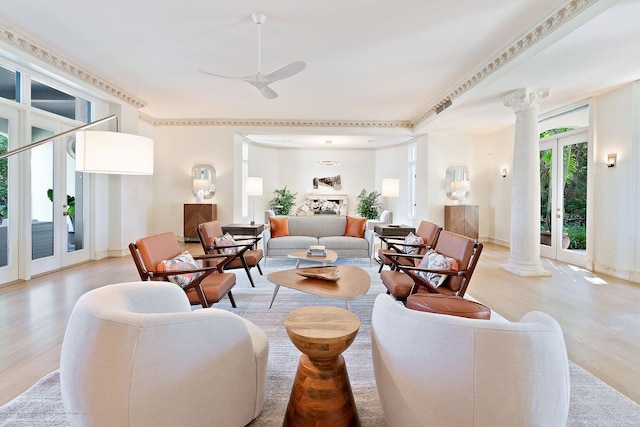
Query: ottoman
(448, 304)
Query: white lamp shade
(114, 152)
(253, 186)
(390, 187)
(460, 186)
(201, 185)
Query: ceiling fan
(259, 80)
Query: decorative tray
(323, 273)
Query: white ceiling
(368, 62)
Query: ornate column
(524, 257)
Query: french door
(563, 197)
(9, 212)
(57, 200)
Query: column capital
(525, 99)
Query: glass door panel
(58, 193)
(42, 195)
(74, 199)
(563, 198)
(4, 194)
(9, 213)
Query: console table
(461, 219)
(195, 214)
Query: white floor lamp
(253, 187)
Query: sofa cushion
(344, 242)
(279, 226)
(355, 226)
(317, 225)
(291, 243)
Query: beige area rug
(593, 403)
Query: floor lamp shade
(390, 187)
(253, 186)
(114, 152)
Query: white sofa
(325, 230)
(136, 354)
(440, 370)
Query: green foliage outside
(4, 178)
(283, 201)
(368, 204)
(574, 190)
(71, 203)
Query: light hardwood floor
(600, 316)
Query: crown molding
(403, 124)
(547, 25)
(32, 49)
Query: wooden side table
(391, 230)
(243, 229)
(321, 394)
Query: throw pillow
(184, 261)
(225, 244)
(411, 239)
(434, 261)
(355, 226)
(279, 226)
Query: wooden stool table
(321, 394)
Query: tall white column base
(526, 269)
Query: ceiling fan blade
(268, 92)
(251, 77)
(263, 88)
(284, 72)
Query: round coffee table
(330, 256)
(321, 392)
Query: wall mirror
(457, 174)
(203, 178)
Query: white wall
(615, 222)
(297, 168)
(616, 190)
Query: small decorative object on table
(317, 250)
(322, 273)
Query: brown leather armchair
(395, 245)
(207, 289)
(245, 255)
(405, 280)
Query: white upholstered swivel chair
(440, 370)
(136, 354)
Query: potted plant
(283, 201)
(368, 204)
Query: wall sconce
(504, 172)
(611, 160)
(253, 187)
